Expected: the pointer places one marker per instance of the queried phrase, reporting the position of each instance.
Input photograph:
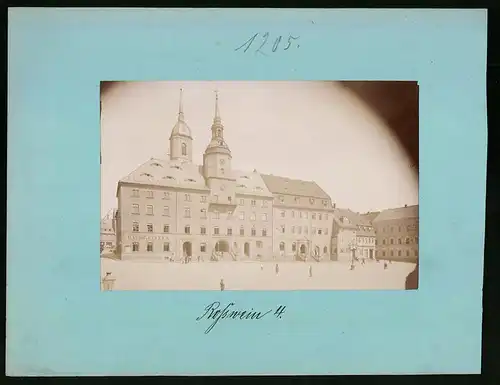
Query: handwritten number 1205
(265, 38)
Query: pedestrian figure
(222, 285)
(277, 268)
(310, 271)
(352, 266)
(385, 265)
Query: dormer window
(190, 180)
(325, 203)
(169, 177)
(146, 174)
(241, 186)
(156, 164)
(258, 188)
(281, 198)
(245, 177)
(311, 200)
(175, 166)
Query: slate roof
(397, 213)
(183, 174)
(283, 185)
(360, 222)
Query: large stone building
(397, 233)
(173, 208)
(353, 235)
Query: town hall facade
(174, 209)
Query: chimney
(406, 205)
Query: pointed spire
(181, 110)
(217, 113)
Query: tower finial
(217, 115)
(181, 111)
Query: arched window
(392, 253)
(407, 253)
(407, 240)
(400, 241)
(399, 253)
(282, 246)
(392, 241)
(325, 249)
(294, 246)
(383, 241)
(184, 149)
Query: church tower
(217, 163)
(181, 141)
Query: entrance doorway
(222, 246)
(247, 249)
(187, 249)
(303, 249)
(371, 254)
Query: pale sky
(302, 130)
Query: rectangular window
(135, 193)
(252, 217)
(135, 208)
(264, 232)
(264, 217)
(216, 215)
(150, 194)
(264, 203)
(149, 247)
(203, 214)
(150, 227)
(203, 199)
(306, 215)
(259, 244)
(325, 203)
(216, 198)
(187, 229)
(203, 230)
(187, 197)
(319, 231)
(166, 228)
(305, 230)
(135, 227)
(229, 215)
(203, 247)
(313, 215)
(166, 211)
(299, 229)
(319, 216)
(293, 214)
(300, 214)
(283, 229)
(135, 246)
(242, 202)
(216, 231)
(283, 214)
(253, 232)
(293, 229)
(187, 212)
(242, 231)
(242, 215)
(253, 203)
(229, 231)
(149, 209)
(166, 246)
(166, 195)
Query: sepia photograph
(268, 185)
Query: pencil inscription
(265, 44)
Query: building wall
(299, 225)
(397, 239)
(365, 246)
(191, 209)
(343, 240)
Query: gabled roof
(182, 174)
(168, 173)
(283, 185)
(360, 222)
(398, 213)
(250, 183)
